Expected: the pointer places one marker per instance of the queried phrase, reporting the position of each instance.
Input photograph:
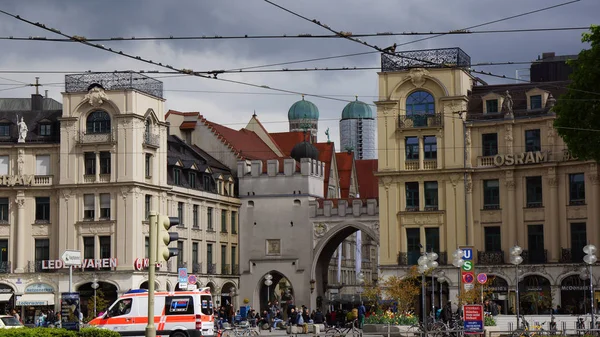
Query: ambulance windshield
(207, 307)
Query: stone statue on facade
(20, 161)
(507, 105)
(327, 134)
(22, 130)
(96, 96)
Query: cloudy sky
(232, 104)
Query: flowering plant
(389, 317)
(488, 320)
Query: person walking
(362, 311)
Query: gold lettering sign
(25, 180)
(522, 158)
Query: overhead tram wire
(411, 42)
(287, 36)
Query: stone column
(510, 201)
(97, 164)
(421, 153)
(552, 218)
(20, 244)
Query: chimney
(548, 55)
(37, 102)
(45, 93)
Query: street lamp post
(516, 259)
(590, 258)
(426, 262)
(441, 280)
(360, 278)
(458, 262)
(95, 286)
(268, 283)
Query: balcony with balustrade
(411, 258)
(571, 255)
(96, 138)
(535, 256)
(211, 268)
(235, 269)
(5, 267)
(151, 139)
(197, 268)
(225, 269)
(490, 257)
(421, 121)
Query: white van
(176, 314)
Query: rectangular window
(535, 240)
(105, 206)
(209, 219)
(42, 249)
(42, 165)
(4, 130)
(89, 206)
(534, 191)
(3, 210)
(432, 239)
(224, 260)
(491, 106)
(489, 142)
(576, 189)
(209, 253)
(147, 247)
(412, 196)
(45, 130)
(234, 260)
(431, 196)
(192, 179)
(492, 239)
(147, 205)
(194, 255)
(177, 177)
(4, 163)
(412, 148)
(532, 140)
(180, 257)
(413, 241)
(148, 165)
(223, 221)
(89, 247)
(207, 184)
(104, 247)
(430, 147)
(104, 162)
(90, 163)
(535, 102)
(578, 241)
(491, 194)
(42, 209)
(180, 214)
(233, 222)
(196, 223)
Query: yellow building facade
(466, 164)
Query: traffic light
(164, 223)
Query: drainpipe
(465, 178)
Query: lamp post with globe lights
(426, 262)
(360, 279)
(590, 258)
(95, 286)
(268, 283)
(516, 259)
(458, 262)
(440, 278)
(583, 275)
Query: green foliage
(388, 317)
(53, 332)
(489, 320)
(101, 304)
(579, 108)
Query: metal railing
(211, 268)
(5, 267)
(535, 256)
(181, 264)
(235, 269)
(114, 81)
(569, 255)
(91, 138)
(427, 58)
(492, 257)
(38, 267)
(417, 121)
(197, 268)
(225, 269)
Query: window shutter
(4, 165)
(42, 165)
(88, 201)
(105, 200)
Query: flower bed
(388, 317)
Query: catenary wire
(287, 36)
(414, 41)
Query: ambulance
(176, 314)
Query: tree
(578, 109)
(403, 290)
(101, 304)
(372, 292)
(473, 296)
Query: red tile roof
(244, 143)
(267, 133)
(368, 185)
(344, 162)
(188, 125)
(179, 113)
(287, 140)
(326, 151)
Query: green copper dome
(303, 110)
(356, 110)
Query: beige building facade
(84, 177)
(467, 164)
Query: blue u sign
(467, 254)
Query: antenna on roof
(254, 114)
(37, 85)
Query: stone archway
(281, 291)
(535, 295)
(144, 285)
(323, 252)
(106, 294)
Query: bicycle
(350, 327)
(237, 331)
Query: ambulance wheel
(179, 334)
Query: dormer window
(98, 122)
(491, 106)
(4, 130)
(535, 102)
(46, 130)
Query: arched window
(98, 122)
(419, 105)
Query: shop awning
(5, 297)
(35, 300)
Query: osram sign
(141, 264)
